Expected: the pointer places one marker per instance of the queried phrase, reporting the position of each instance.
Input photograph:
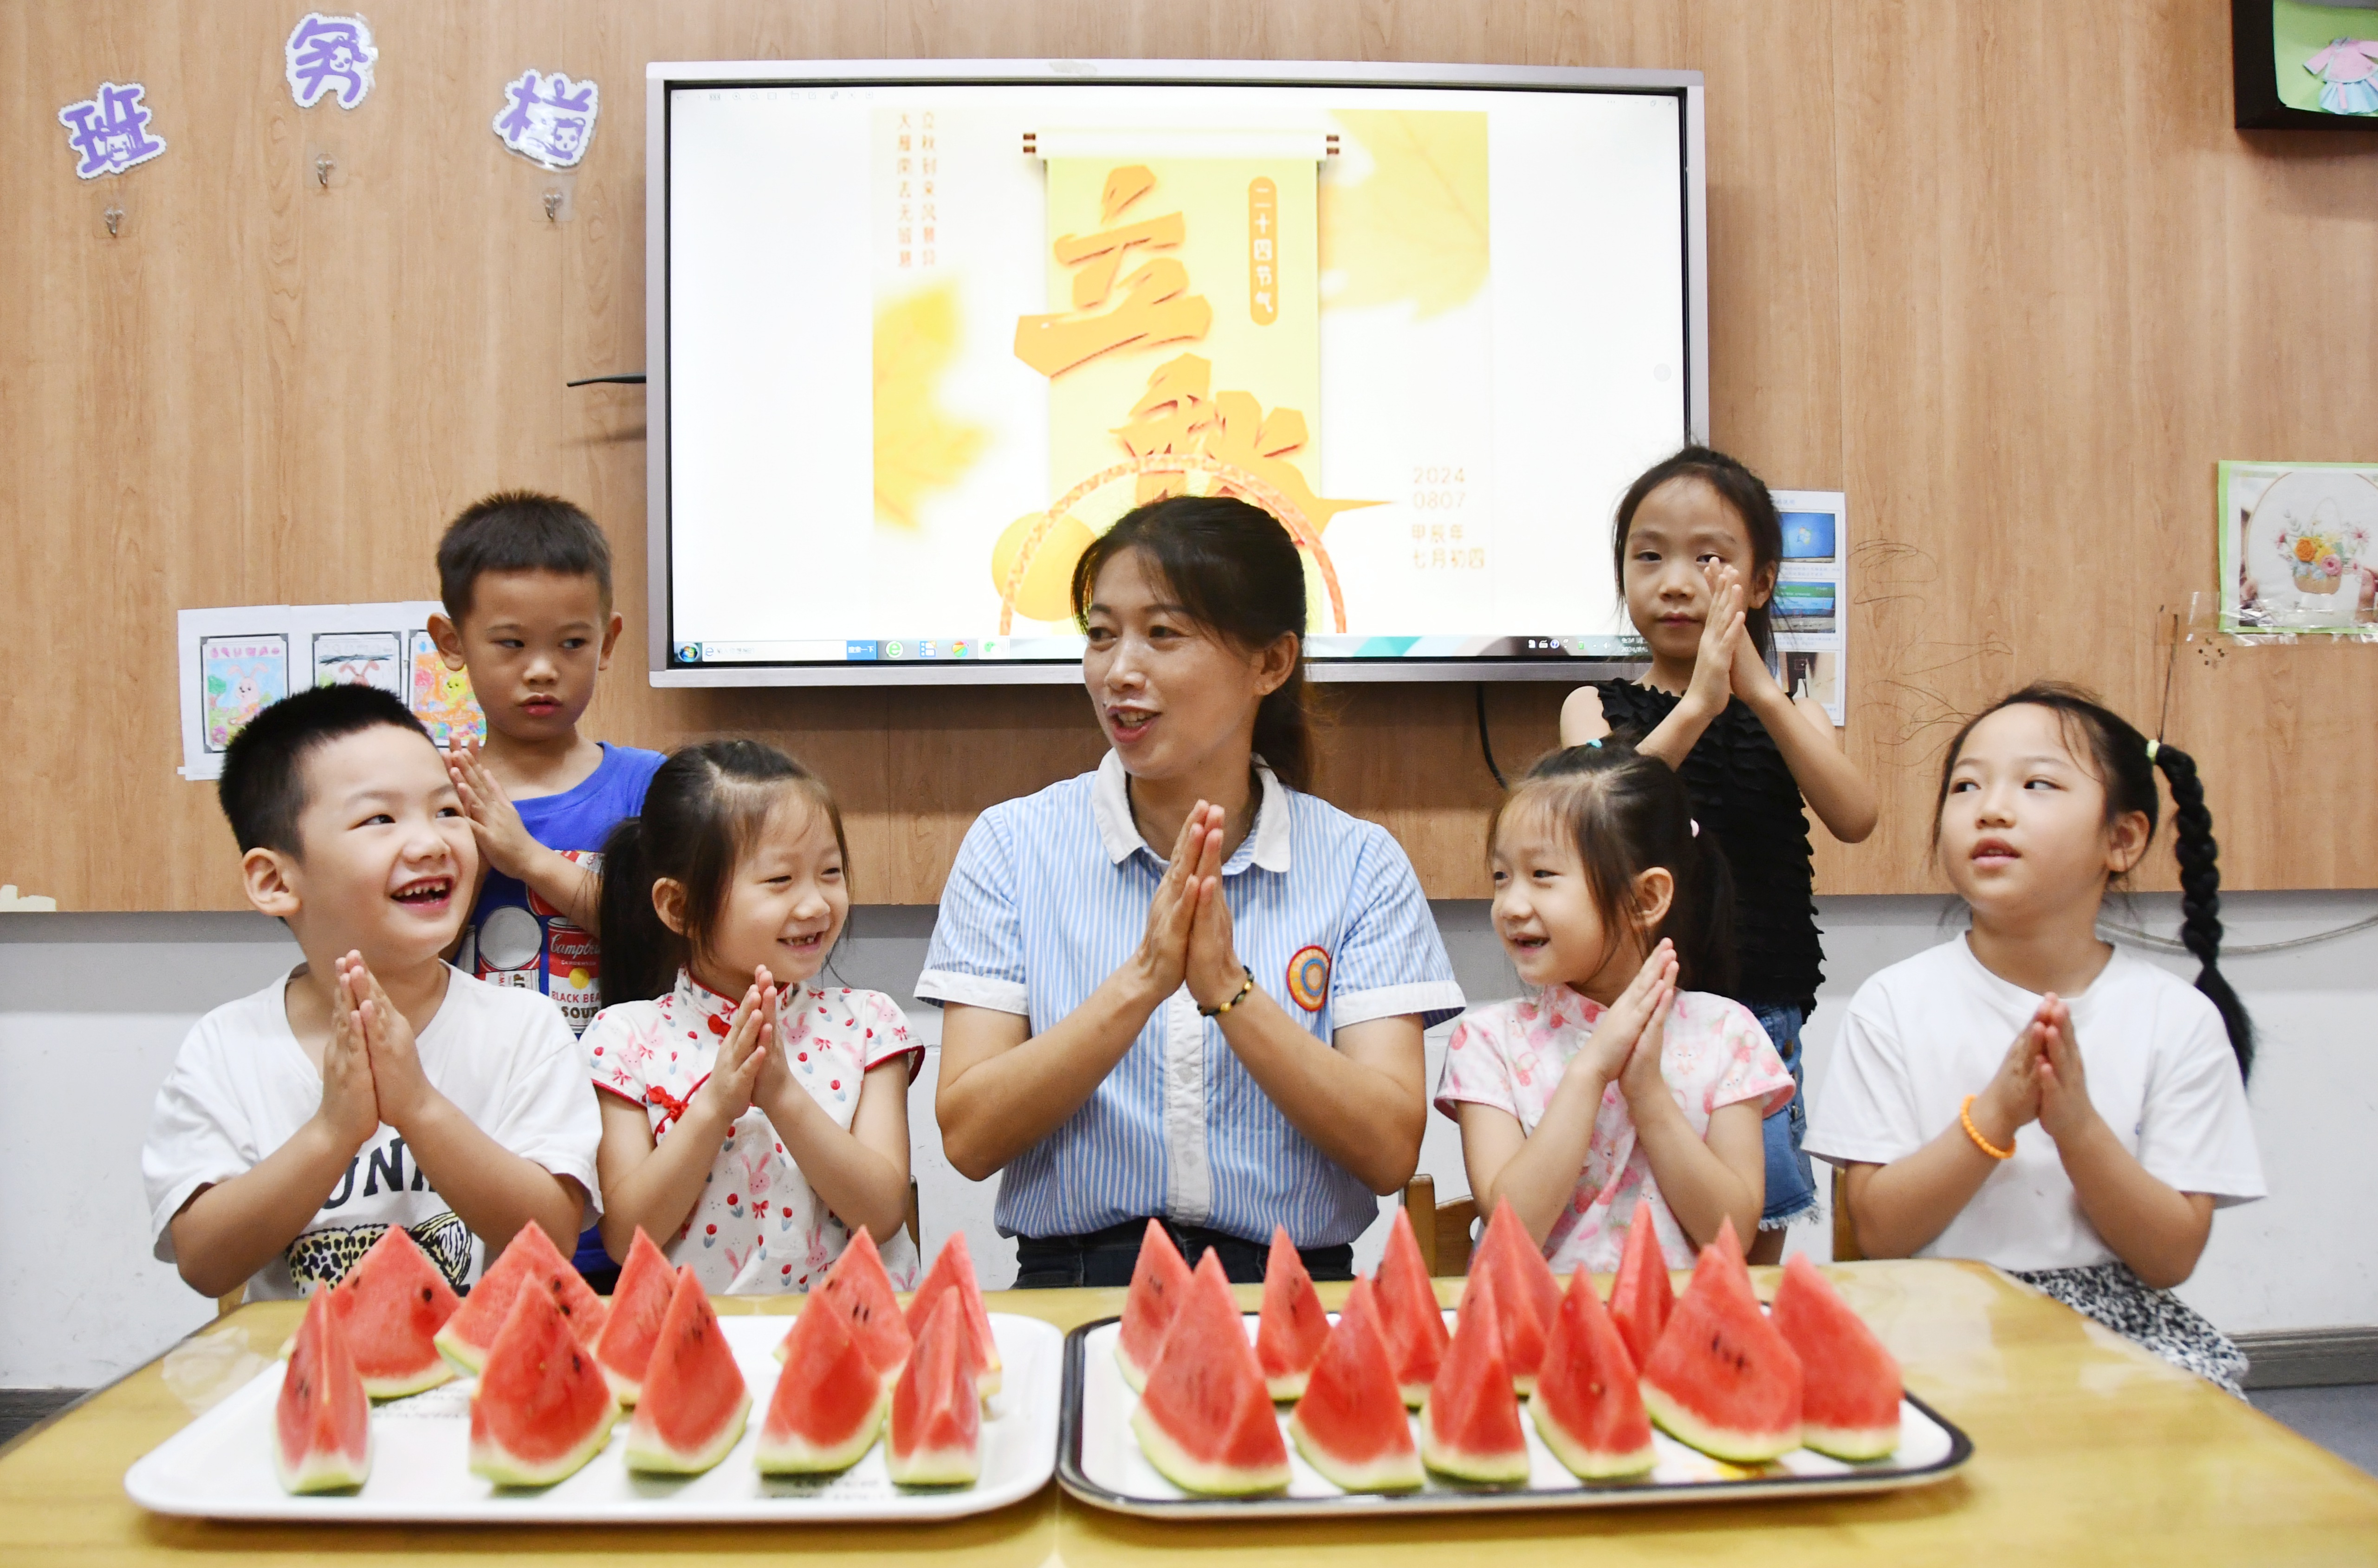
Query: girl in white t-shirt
(2088, 1155)
(1622, 1079)
(752, 1115)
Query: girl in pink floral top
(752, 1118)
(1621, 1079)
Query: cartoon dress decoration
(2345, 69)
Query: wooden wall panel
(2002, 270)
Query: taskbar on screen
(1024, 650)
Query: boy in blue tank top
(526, 582)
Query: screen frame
(662, 78)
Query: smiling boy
(373, 1085)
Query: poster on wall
(238, 661)
(110, 131)
(329, 57)
(1810, 609)
(2295, 546)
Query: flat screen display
(918, 341)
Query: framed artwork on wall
(2301, 66)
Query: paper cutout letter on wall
(548, 120)
(330, 57)
(110, 130)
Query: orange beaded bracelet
(1965, 1115)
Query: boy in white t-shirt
(374, 1085)
(2088, 1155)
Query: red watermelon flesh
(1410, 1320)
(1350, 1425)
(530, 1258)
(1526, 1293)
(952, 1273)
(1289, 1333)
(829, 1400)
(694, 1400)
(1850, 1390)
(936, 1436)
(1204, 1419)
(1470, 1427)
(1587, 1406)
(639, 1302)
(1721, 1378)
(1642, 1297)
(391, 1305)
(858, 1289)
(323, 1422)
(542, 1407)
(1159, 1280)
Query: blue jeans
(1790, 1180)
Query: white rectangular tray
(220, 1466)
(1099, 1462)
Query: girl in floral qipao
(753, 1116)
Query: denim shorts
(1790, 1180)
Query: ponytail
(638, 959)
(2125, 763)
(703, 811)
(2200, 895)
(1625, 813)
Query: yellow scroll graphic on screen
(919, 446)
(1183, 351)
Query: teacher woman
(1179, 987)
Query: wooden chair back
(1845, 1242)
(1442, 1229)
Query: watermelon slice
(542, 1407)
(1587, 1406)
(829, 1400)
(1850, 1390)
(530, 1258)
(391, 1305)
(323, 1422)
(694, 1400)
(954, 1272)
(1410, 1320)
(858, 1289)
(1721, 1378)
(1351, 1424)
(1526, 1293)
(1204, 1419)
(1469, 1426)
(1642, 1297)
(1290, 1334)
(639, 1302)
(1159, 1280)
(936, 1427)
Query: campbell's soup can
(573, 964)
(511, 941)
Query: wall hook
(322, 167)
(553, 207)
(114, 215)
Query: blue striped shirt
(1049, 896)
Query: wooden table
(2088, 1450)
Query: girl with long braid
(2087, 1157)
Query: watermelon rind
(1173, 1462)
(322, 1391)
(952, 1467)
(646, 1452)
(1718, 1442)
(1389, 1472)
(1579, 1458)
(396, 1351)
(1502, 1469)
(538, 1333)
(1855, 1444)
(638, 1304)
(793, 1455)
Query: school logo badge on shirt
(1308, 977)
